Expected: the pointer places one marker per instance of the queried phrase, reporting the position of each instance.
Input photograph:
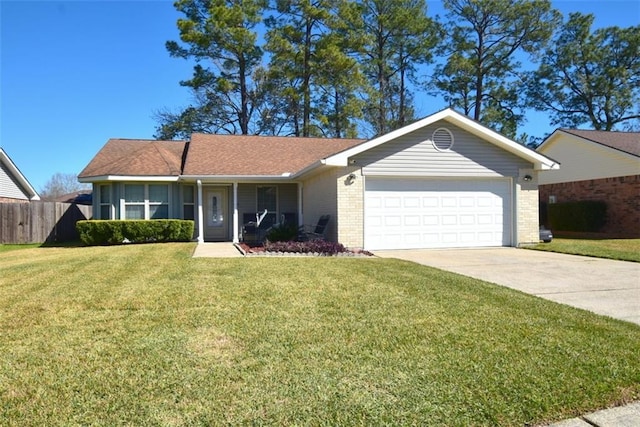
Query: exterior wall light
(527, 178)
(350, 179)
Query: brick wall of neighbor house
(622, 195)
(527, 209)
(351, 208)
(10, 200)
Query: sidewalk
(216, 250)
(624, 416)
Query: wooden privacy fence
(40, 222)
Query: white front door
(215, 213)
(437, 213)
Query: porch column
(200, 214)
(300, 215)
(235, 213)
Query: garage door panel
(411, 202)
(430, 202)
(436, 213)
(449, 219)
(412, 221)
(430, 220)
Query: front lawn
(12, 247)
(147, 335)
(620, 249)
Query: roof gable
(626, 142)
(250, 155)
(132, 157)
(15, 177)
(539, 161)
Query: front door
(215, 213)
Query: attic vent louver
(442, 139)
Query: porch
(222, 209)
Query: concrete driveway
(603, 286)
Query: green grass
(11, 247)
(620, 249)
(147, 335)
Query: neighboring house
(14, 187)
(80, 197)
(443, 181)
(596, 165)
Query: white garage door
(431, 213)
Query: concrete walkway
(624, 416)
(607, 287)
(216, 250)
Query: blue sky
(75, 73)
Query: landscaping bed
(293, 248)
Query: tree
(60, 184)
(390, 39)
(221, 35)
(480, 75)
(316, 79)
(591, 78)
(292, 40)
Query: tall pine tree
(221, 36)
(480, 74)
(589, 77)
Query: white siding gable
(9, 187)
(581, 160)
(414, 154)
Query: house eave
(236, 178)
(122, 178)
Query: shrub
(282, 233)
(312, 246)
(585, 215)
(115, 232)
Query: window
(158, 201)
(268, 199)
(146, 201)
(134, 201)
(104, 193)
(188, 202)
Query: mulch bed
(252, 250)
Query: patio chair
(306, 233)
(252, 232)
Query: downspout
(235, 213)
(200, 214)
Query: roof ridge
(291, 137)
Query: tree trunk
(306, 83)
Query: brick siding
(527, 221)
(622, 195)
(351, 208)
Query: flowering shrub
(312, 246)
